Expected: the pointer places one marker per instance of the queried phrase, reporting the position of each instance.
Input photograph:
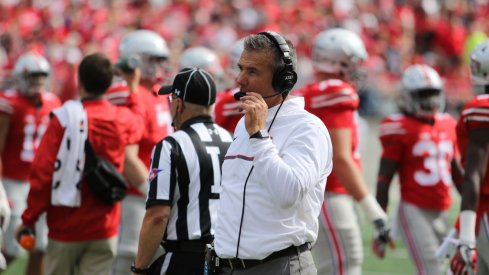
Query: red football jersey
(424, 152)
(226, 110)
(27, 126)
(157, 118)
(335, 102)
(475, 115)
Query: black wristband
(260, 134)
(136, 270)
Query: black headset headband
(280, 42)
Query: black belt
(185, 246)
(236, 263)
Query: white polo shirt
(285, 190)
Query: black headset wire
(246, 184)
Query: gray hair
(260, 42)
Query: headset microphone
(239, 95)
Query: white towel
(70, 160)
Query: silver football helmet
(203, 58)
(338, 51)
(206, 59)
(479, 64)
(421, 91)
(234, 56)
(147, 50)
(31, 71)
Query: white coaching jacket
(285, 190)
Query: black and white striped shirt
(186, 175)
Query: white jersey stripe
(334, 101)
(476, 110)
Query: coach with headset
(274, 172)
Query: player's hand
(381, 238)
(132, 78)
(464, 262)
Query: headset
(284, 78)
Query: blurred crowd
(397, 33)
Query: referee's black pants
(179, 263)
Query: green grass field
(397, 262)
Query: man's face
(256, 72)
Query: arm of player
(350, 176)
(134, 169)
(381, 237)
(457, 174)
(387, 170)
(132, 78)
(152, 231)
(344, 166)
(477, 154)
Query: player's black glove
(381, 238)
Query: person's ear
(179, 105)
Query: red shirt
(226, 111)
(27, 126)
(335, 102)
(110, 129)
(475, 115)
(156, 115)
(424, 152)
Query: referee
(185, 180)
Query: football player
(337, 54)
(144, 64)
(420, 145)
(24, 116)
(473, 138)
(227, 114)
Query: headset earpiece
(284, 78)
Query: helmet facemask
(155, 69)
(424, 103)
(32, 83)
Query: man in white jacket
(274, 173)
